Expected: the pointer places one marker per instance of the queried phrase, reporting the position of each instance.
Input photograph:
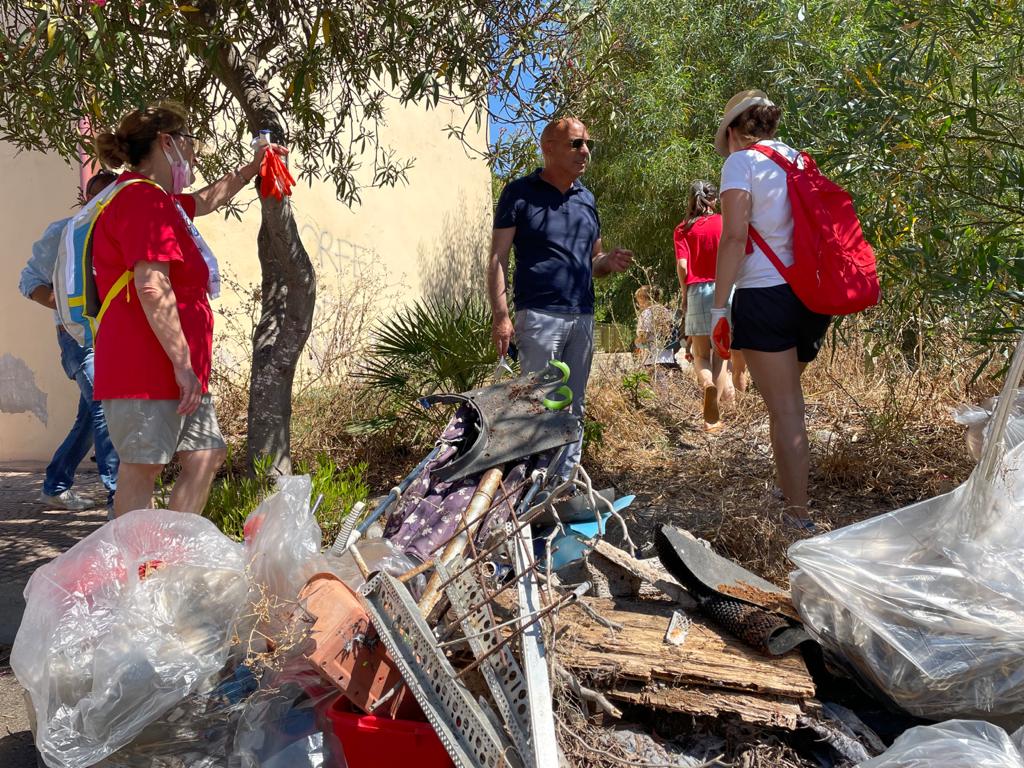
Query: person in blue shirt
(90, 427)
(551, 220)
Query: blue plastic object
(574, 543)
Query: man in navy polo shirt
(552, 221)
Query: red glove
(721, 333)
(277, 181)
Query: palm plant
(428, 347)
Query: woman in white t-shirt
(779, 336)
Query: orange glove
(721, 333)
(276, 180)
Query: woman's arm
(732, 247)
(153, 284)
(681, 274)
(219, 193)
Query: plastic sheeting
(978, 419)
(925, 605)
(126, 645)
(283, 540)
(954, 744)
(379, 555)
(124, 626)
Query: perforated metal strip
(500, 669)
(462, 725)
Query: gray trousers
(542, 336)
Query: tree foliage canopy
(915, 107)
(322, 76)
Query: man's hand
(502, 333)
(191, 390)
(618, 260)
(43, 294)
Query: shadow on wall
(454, 266)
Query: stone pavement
(31, 534)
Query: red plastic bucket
(376, 742)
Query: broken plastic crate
(373, 742)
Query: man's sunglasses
(578, 144)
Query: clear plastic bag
(282, 545)
(953, 744)
(925, 605)
(380, 555)
(977, 419)
(122, 627)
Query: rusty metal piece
(347, 650)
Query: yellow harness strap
(126, 277)
(116, 288)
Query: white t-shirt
(770, 213)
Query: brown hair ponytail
(137, 131)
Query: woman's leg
(703, 366)
(192, 488)
(777, 375)
(135, 484)
(700, 348)
(738, 364)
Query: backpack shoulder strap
(780, 159)
(126, 277)
(120, 185)
(119, 285)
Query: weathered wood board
(710, 673)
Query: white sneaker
(67, 500)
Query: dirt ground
(16, 750)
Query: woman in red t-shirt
(696, 243)
(153, 349)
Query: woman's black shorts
(774, 319)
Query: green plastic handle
(557, 405)
(562, 367)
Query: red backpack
(833, 270)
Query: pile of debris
(486, 612)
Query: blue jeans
(90, 426)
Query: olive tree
(320, 76)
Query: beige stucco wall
(426, 237)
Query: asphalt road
(16, 749)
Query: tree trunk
(286, 317)
(289, 283)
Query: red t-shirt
(142, 223)
(699, 246)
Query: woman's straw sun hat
(737, 105)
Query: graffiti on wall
(19, 392)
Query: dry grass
(881, 437)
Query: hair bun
(111, 149)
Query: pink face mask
(182, 175)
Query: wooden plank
(643, 571)
(638, 653)
(706, 702)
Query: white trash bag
(123, 626)
(925, 605)
(953, 744)
(978, 420)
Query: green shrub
(428, 347)
(236, 495)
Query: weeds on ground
(237, 494)
(881, 437)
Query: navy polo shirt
(554, 243)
